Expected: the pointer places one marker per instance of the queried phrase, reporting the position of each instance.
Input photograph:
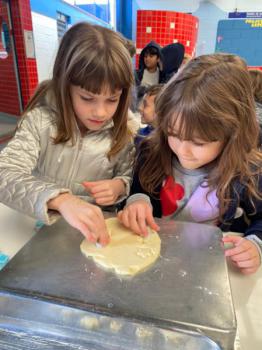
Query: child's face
(151, 61)
(93, 111)
(194, 154)
(147, 109)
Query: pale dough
(89, 322)
(127, 253)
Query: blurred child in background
(150, 67)
(256, 81)
(147, 111)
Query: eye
(199, 144)
(113, 100)
(84, 98)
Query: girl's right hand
(85, 217)
(136, 216)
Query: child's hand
(136, 216)
(244, 255)
(85, 217)
(105, 192)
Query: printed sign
(255, 23)
(245, 15)
(29, 44)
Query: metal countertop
(186, 291)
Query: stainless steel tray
(34, 324)
(186, 293)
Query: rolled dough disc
(127, 253)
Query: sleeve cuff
(45, 215)
(137, 197)
(126, 180)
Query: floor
(7, 127)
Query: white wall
(46, 44)
(169, 5)
(192, 5)
(241, 5)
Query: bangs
(95, 74)
(191, 127)
(190, 115)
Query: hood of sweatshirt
(172, 57)
(142, 55)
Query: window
(62, 24)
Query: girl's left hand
(105, 192)
(244, 255)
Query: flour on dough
(127, 253)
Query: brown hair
(94, 58)
(212, 98)
(256, 81)
(224, 57)
(130, 47)
(187, 58)
(153, 90)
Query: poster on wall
(245, 14)
(29, 44)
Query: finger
(235, 251)
(92, 219)
(141, 220)
(100, 189)
(125, 218)
(104, 237)
(249, 271)
(87, 184)
(246, 255)
(233, 262)
(133, 220)
(97, 228)
(119, 215)
(104, 194)
(96, 186)
(86, 232)
(97, 224)
(252, 263)
(104, 201)
(150, 220)
(232, 239)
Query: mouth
(186, 159)
(98, 122)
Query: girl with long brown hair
(202, 162)
(73, 150)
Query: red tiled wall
(253, 67)
(9, 100)
(22, 20)
(27, 71)
(166, 27)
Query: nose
(184, 148)
(140, 108)
(100, 110)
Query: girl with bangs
(202, 163)
(73, 149)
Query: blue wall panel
(241, 37)
(50, 8)
(124, 17)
